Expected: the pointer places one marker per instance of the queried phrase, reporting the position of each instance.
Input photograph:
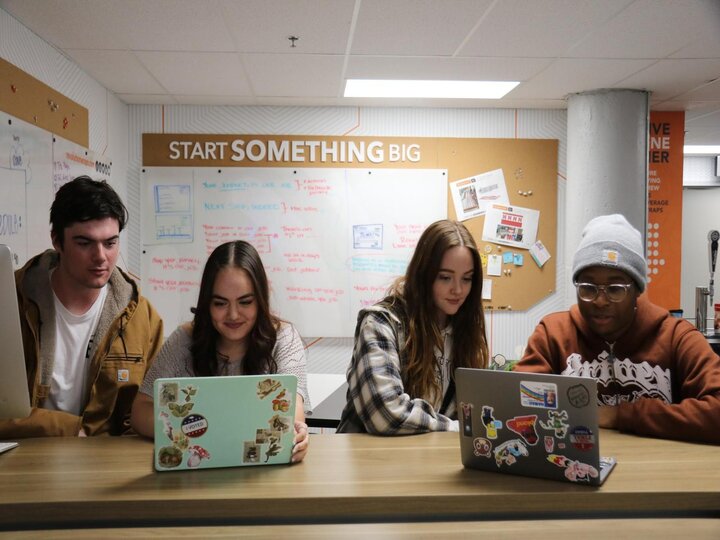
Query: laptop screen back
(230, 421)
(14, 394)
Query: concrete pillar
(607, 132)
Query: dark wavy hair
(84, 199)
(415, 291)
(258, 358)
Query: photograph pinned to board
(494, 266)
(487, 289)
(473, 195)
(511, 226)
(539, 253)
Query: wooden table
(110, 482)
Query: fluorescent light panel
(701, 150)
(428, 89)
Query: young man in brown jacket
(89, 335)
(657, 375)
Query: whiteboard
(25, 184)
(331, 240)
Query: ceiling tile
(646, 29)
(295, 75)
(566, 76)
(163, 25)
(548, 28)
(671, 78)
(119, 71)
(259, 26)
(193, 73)
(415, 27)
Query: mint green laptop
(205, 422)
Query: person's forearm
(141, 418)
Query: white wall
(108, 116)
(701, 213)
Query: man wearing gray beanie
(657, 375)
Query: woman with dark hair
(233, 333)
(408, 345)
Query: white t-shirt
(70, 368)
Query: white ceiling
(237, 52)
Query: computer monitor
(14, 394)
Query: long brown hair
(258, 358)
(415, 290)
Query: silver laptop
(530, 424)
(14, 394)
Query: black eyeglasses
(615, 292)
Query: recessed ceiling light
(701, 150)
(428, 89)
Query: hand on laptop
(300, 443)
(607, 417)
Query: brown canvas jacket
(127, 339)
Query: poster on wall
(511, 226)
(664, 227)
(472, 196)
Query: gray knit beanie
(611, 241)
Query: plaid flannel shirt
(377, 402)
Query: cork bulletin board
(34, 102)
(530, 170)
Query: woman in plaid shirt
(408, 345)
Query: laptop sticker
(557, 422)
(194, 425)
(508, 452)
(197, 454)
(280, 403)
(168, 393)
(578, 396)
(482, 447)
(491, 425)
(582, 438)
(267, 387)
(575, 471)
(538, 394)
(251, 452)
(525, 427)
(466, 418)
(549, 444)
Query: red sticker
(582, 438)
